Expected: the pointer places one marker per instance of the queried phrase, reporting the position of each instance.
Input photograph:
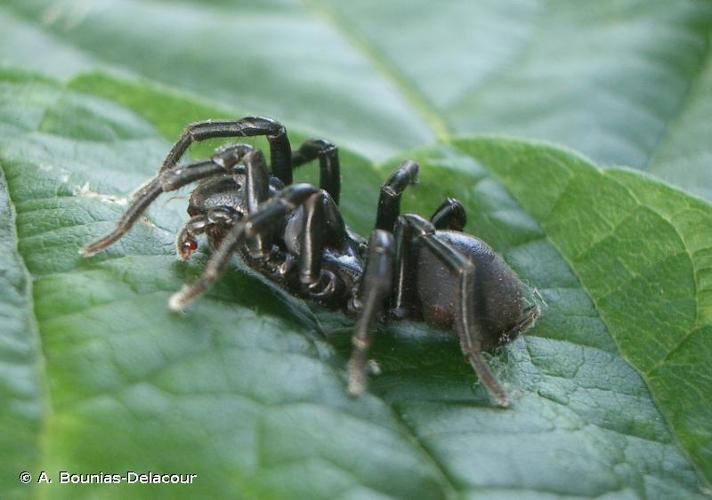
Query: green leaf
(639, 252)
(247, 389)
(627, 83)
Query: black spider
(294, 235)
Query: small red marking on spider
(190, 245)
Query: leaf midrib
(683, 104)
(379, 61)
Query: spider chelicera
(410, 267)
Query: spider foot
(497, 393)
(180, 299)
(357, 380)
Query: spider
(293, 234)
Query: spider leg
(186, 241)
(322, 223)
(391, 191)
(450, 215)
(466, 325)
(404, 300)
(257, 188)
(255, 224)
(169, 180)
(375, 286)
(280, 149)
(328, 155)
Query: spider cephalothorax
(410, 267)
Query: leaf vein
(407, 89)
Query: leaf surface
(247, 389)
(627, 83)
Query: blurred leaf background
(626, 83)
(612, 387)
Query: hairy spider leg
(375, 287)
(467, 327)
(249, 126)
(391, 192)
(186, 241)
(450, 215)
(329, 170)
(255, 224)
(169, 180)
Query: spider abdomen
(498, 302)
